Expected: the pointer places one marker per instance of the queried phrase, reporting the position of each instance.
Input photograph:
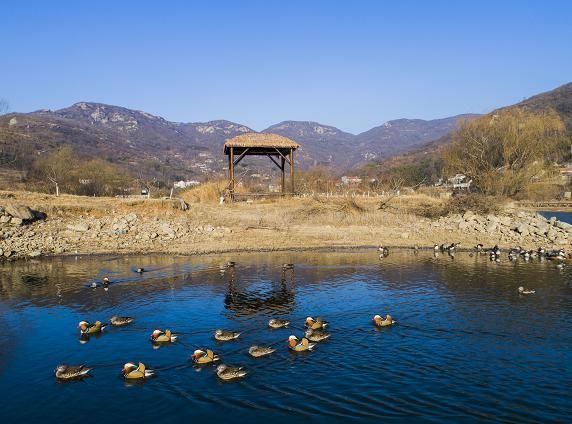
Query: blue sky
(351, 64)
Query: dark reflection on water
(466, 348)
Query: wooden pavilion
(279, 149)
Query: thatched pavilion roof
(261, 140)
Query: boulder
(523, 229)
(80, 227)
(16, 221)
(17, 211)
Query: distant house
(185, 184)
(458, 182)
(351, 180)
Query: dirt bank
(83, 225)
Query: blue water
(560, 216)
(467, 347)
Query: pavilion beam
(242, 155)
(274, 160)
(292, 171)
(282, 156)
(282, 161)
(231, 169)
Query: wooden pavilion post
(231, 172)
(291, 170)
(282, 163)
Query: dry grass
(205, 193)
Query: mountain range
(130, 137)
(137, 139)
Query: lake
(561, 216)
(467, 347)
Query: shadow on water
(466, 347)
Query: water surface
(560, 216)
(466, 347)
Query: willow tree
(504, 151)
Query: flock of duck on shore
(314, 333)
(494, 254)
(315, 328)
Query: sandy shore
(83, 225)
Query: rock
(81, 227)
(16, 221)
(469, 215)
(564, 226)
(22, 212)
(523, 230)
(4, 219)
(552, 234)
(491, 227)
(35, 254)
(404, 235)
(166, 229)
(130, 218)
(541, 230)
(8, 253)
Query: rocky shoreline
(27, 233)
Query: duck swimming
(278, 323)
(286, 267)
(384, 252)
(158, 336)
(225, 335)
(119, 321)
(87, 328)
(227, 373)
(522, 290)
(316, 335)
(133, 372)
(71, 372)
(315, 324)
(383, 322)
(259, 351)
(206, 356)
(299, 345)
(140, 270)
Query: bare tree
(504, 151)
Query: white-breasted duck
(159, 336)
(300, 345)
(135, 372)
(316, 324)
(86, 327)
(378, 321)
(205, 356)
(522, 290)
